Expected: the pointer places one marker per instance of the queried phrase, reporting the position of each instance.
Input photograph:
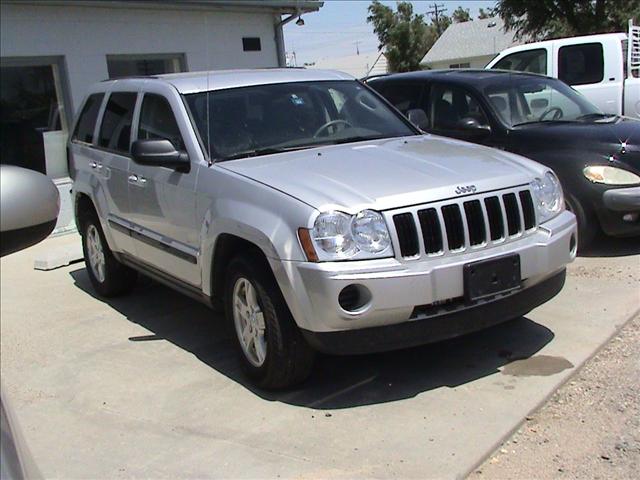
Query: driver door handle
(133, 179)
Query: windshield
(258, 120)
(521, 101)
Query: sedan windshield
(521, 101)
(263, 119)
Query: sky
(340, 28)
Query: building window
(460, 65)
(581, 64)
(33, 121)
(251, 44)
(120, 66)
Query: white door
(583, 66)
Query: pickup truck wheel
(270, 345)
(109, 277)
(587, 227)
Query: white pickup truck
(604, 68)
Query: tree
(482, 13)
(403, 35)
(461, 15)
(540, 20)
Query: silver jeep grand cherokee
(320, 217)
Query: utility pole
(437, 10)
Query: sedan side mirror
(159, 153)
(418, 118)
(472, 125)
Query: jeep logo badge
(466, 189)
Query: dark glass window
(581, 64)
(452, 107)
(115, 131)
(251, 44)
(533, 61)
(403, 96)
(157, 121)
(87, 121)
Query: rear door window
(581, 64)
(115, 131)
(87, 120)
(404, 96)
(157, 121)
(532, 61)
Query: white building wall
(85, 35)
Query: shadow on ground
(337, 382)
(603, 246)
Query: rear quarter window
(87, 120)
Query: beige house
(470, 44)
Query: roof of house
(364, 64)
(471, 39)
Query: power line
(438, 9)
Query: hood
(385, 174)
(617, 137)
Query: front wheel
(271, 348)
(109, 277)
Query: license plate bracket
(487, 278)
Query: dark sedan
(595, 155)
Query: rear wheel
(109, 277)
(587, 222)
(271, 348)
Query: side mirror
(29, 207)
(472, 125)
(159, 153)
(418, 118)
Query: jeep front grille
(457, 225)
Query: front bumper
(621, 213)
(398, 287)
(437, 328)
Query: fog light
(630, 217)
(354, 297)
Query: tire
(274, 354)
(109, 277)
(587, 223)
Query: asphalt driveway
(148, 386)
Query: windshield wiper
(264, 151)
(594, 115)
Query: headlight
(370, 232)
(610, 175)
(338, 236)
(548, 197)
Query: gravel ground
(590, 428)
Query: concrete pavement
(147, 385)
